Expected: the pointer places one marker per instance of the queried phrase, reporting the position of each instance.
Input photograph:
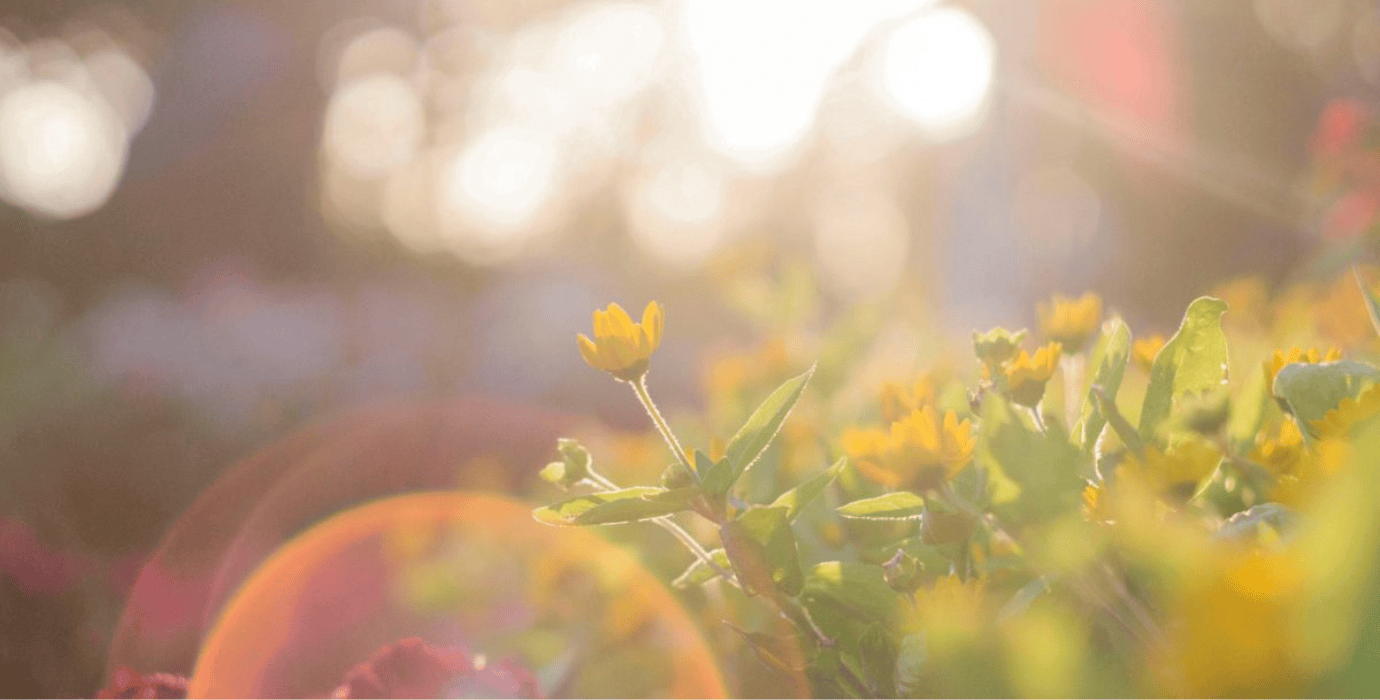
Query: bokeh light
(493, 190)
(61, 150)
(374, 124)
(937, 70)
(762, 68)
(675, 212)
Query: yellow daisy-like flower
(1280, 453)
(1175, 472)
(1071, 322)
(1027, 374)
(620, 346)
(918, 452)
(899, 400)
(1144, 350)
(1349, 413)
(1311, 356)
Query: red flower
(129, 684)
(412, 668)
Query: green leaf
(783, 653)
(1109, 359)
(763, 551)
(755, 435)
(1313, 390)
(1244, 524)
(800, 496)
(699, 572)
(898, 505)
(1044, 466)
(878, 651)
(859, 590)
(911, 663)
(622, 506)
(1193, 361)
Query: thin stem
(675, 529)
(640, 388)
(1073, 385)
(1039, 420)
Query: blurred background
(220, 220)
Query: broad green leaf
(911, 664)
(1194, 360)
(800, 496)
(699, 572)
(1109, 363)
(898, 505)
(860, 590)
(622, 506)
(1045, 466)
(755, 435)
(878, 651)
(1118, 423)
(1313, 390)
(763, 552)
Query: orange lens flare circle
(463, 569)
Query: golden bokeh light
(373, 124)
(492, 191)
(675, 212)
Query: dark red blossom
(412, 668)
(127, 683)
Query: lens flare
(62, 150)
(937, 69)
(458, 569)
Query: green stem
(640, 388)
(676, 530)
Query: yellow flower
(899, 400)
(1026, 375)
(1173, 473)
(1233, 628)
(1311, 356)
(1350, 412)
(620, 347)
(918, 452)
(1280, 454)
(1071, 322)
(1144, 350)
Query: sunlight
(861, 240)
(762, 68)
(937, 70)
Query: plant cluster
(1091, 514)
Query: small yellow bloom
(1173, 473)
(899, 400)
(620, 347)
(1026, 375)
(1311, 356)
(1348, 414)
(1144, 350)
(1071, 322)
(1281, 453)
(918, 452)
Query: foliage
(1099, 514)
